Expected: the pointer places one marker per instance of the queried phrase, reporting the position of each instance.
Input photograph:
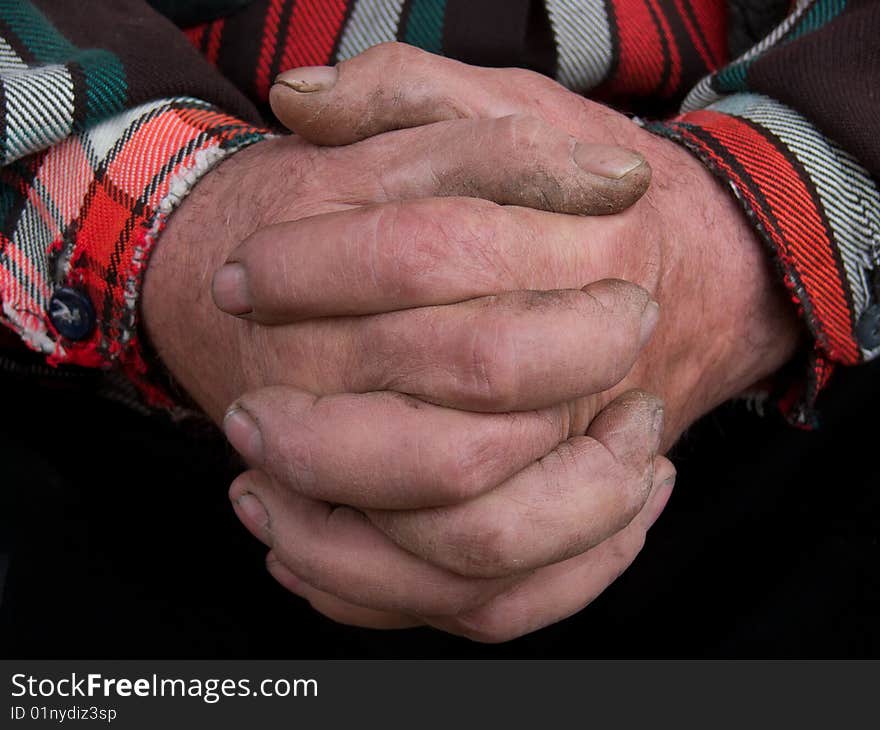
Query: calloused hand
(535, 549)
(470, 360)
(725, 325)
(727, 322)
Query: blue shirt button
(72, 313)
(868, 329)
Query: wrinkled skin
(448, 405)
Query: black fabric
(188, 13)
(751, 20)
(240, 50)
(831, 77)
(499, 33)
(120, 543)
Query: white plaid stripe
(100, 138)
(703, 94)
(9, 59)
(583, 42)
(846, 191)
(371, 22)
(39, 109)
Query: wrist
(726, 320)
(199, 346)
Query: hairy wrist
(726, 320)
(198, 344)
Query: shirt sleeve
(99, 144)
(788, 127)
(633, 53)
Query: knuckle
(295, 462)
(400, 63)
(478, 237)
(459, 243)
(538, 160)
(392, 51)
(469, 467)
(437, 105)
(485, 239)
(459, 479)
(527, 80)
(491, 373)
(488, 547)
(624, 486)
(521, 133)
(392, 57)
(401, 250)
(417, 248)
(290, 455)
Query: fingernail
(663, 494)
(657, 424)
(650, 317)
(606, 160)
(254, 511)
(309, 79)
(244, 434)
(230, 290)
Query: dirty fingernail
(650, 316)
(606, 160)
(309, 79)
(657, 425)
(244, 434)
(662, 499)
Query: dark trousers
(117, 540)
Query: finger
(511, 352)
(547, 596)
(516, 160)
(336, 550)
(561, 590)
(335, 608)
(580, 494)
(385, 450)
(395, 86)
(381, 258)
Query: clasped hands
(451, 298)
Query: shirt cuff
(81, 220)
(816, 208)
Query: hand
(593, 498)
(726, 321)
(377, 194)
(371, 201)
(725, 325)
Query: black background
(118, 541)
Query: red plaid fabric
(86, 213)
(95, 206)
(814, 206)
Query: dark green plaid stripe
(424, 25)
(105, 81)
(735, 77)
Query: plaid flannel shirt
(111, 111)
